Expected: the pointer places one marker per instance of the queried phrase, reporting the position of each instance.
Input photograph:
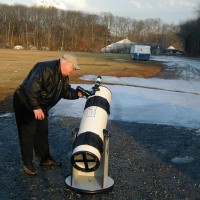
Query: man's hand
(39, 114)
(80, 94)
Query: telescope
(89, 158)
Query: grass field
(15, 65)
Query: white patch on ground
(153, 100)
(182, 160)
(6, 115)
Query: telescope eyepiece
(98, 81)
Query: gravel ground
(140, 163)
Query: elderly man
(44, 86)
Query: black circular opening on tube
(85, 161)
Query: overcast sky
(169, 11)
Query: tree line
(79, 31)
(190, 34)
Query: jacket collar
(59, 68)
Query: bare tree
(72, 30)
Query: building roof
(171, 48)
(125, 43)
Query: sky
(169, 11)
(173, 102)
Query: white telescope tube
(88, 145)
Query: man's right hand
(39, 114)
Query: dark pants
(33, 134)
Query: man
(44, 86)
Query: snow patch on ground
(182, 160)
(159, 101)
(155, 101)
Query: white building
(122, 46)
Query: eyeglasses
(74, 68)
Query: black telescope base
(89, 184)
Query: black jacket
(45, 86)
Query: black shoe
(50, 162)
(29, 169)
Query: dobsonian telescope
(89, 159)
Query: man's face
(67, 68)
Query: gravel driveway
(146, 162)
